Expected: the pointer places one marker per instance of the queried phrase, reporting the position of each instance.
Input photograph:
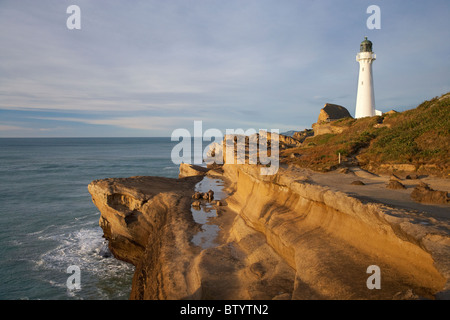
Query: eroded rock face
(148, 222)
(395, 184)
(332, 112)
(326, 127)
(423, 193)
(144, 220)
(302, 135)
(190, 170)
(280, 238)
(328, 238)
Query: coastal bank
(285, 236)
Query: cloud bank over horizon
(148, 67)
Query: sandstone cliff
(144, 220)
(330, 112)
(330, 238)
(281, 237)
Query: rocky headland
(294, 235)
(349, 194)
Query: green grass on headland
(419, 136)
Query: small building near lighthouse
(365, 99)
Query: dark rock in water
(210, 194)
(197, 195)
(423, 193)
(104, 252)
(394, 184)
(106, 255)
(358, 183)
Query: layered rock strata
(281, 237)
(145, 220)
(330, 238)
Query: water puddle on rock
(207, 238)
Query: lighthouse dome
(366, 45)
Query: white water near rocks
(48, 221)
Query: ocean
(48, 221)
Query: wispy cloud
(13, 128)
(138, 123)
(163, 63)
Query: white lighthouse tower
(365, 100)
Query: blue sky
(145, 68)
